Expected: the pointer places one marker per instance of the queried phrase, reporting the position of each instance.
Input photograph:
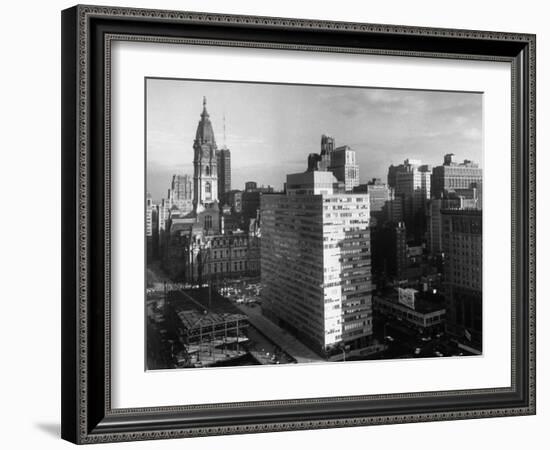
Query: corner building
(462, 246)
(316, 262)
(454, 176)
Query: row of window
(237, 266)
(236, 252)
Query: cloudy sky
(271, 128)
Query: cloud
(272, 128)
(472, 133)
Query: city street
(282, 338)
(406, 342)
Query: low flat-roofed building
(423, 311)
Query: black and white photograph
(293, 224)
(275, 225)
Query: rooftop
(425, 303)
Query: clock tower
(205, 177)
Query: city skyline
(277, 126)
(350, 270)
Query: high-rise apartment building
(462, 249)
(316, 262)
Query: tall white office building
(316, 262)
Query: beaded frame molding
(87, 35)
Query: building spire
(204, 129)
(204, 111)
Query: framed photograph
(280, 224)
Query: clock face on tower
(205, 187)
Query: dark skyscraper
(411, 181)
(224, 172)
(389, 250)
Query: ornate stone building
(197, 247)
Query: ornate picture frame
(88, 33)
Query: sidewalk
(282, 338)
